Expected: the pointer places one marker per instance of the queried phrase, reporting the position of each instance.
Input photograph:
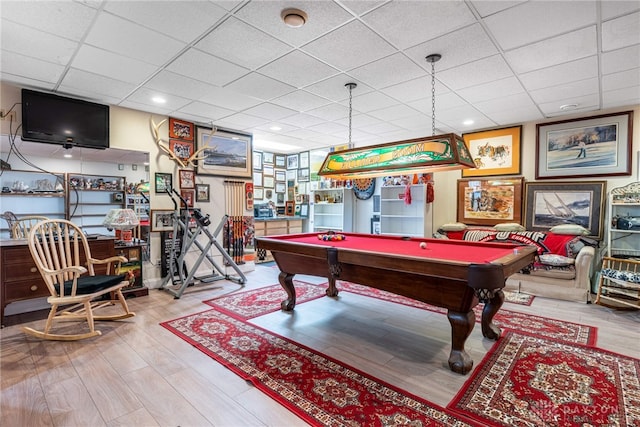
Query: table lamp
(123, 221)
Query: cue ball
(423, 245)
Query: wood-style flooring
(139, 374)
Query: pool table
(452, 274)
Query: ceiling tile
(302, 120)
(270, 111)
(177, 84)
(297, 69)
(489, 7)
(211, 112)
(388, 71)
(260, 86)
(459, 47)
(475, 73)
(519, 100)
(242, 44)
(515, 116)
(359, 121)
(585, 103)
(145, 96)
(372, 101)
(531, 21)
(334, 88)
(393, 113)
(301, 100)
(629, 96)
(568, 47)
(244, 121)
(330, 112)
(360, 7)
(30, 68)
(613, 8)
(330, 128)
(407, 23)
(559, 74)
(99, 61)
(199, 65)
(629, 78)
(323, 17)
(621, 59)
(90, 82)
(565, 91)
(134, 41)
(444, 101)
(621, 32)
(36, 44)
(491, 90)
(228, 98)
(63, 18)
(381, 128)
(349, 46)
(170, 17)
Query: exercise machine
(188, 225)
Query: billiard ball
(423, 245)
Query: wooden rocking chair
(57, 247)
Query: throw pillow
(572, 229)
(453, 226)
(509, 226)
(556, 260)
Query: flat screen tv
(67, 121)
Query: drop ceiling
(235, 64)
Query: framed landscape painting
(490, 201)
(593, 146)
(558, 203)
(227, 154)
(495, 152)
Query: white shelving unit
(399, 218)
(624, 204)
(332, 210)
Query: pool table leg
(491, 307)
(461, 327)
(286, 281)
(332, 291)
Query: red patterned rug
(257, 302)
(533, 381)
(320, 390)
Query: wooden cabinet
(91, 197)
(273, 227)
(400, 218)
(21, 279)
(332, 209)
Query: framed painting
(187, 178)
(188, 197)
(281, 160)
(161, 219)
(267, 170)
(593, 146)
(281, 175)
(303, 175)
(180, 129)
(292, 161)
(495, 152)
(202, 192)
(490, 201)
(164, 182)
(551, 204)
(182, 149)
(227, 153)
(267, 158)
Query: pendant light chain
(351, 86)
(433, 59)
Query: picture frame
(257, 160)
(187, 178)
(490, 201)
(229, 153)
(182, 149)
(257, 179)
(281, 175)
(267, 170)
(303, 175)
(495, 152)
(292, 161)
(279, 198)
(303, 160)
(281, 160)
(189, 196)
(289, 208)
(203, 192)
(304, 210)
(267, 158)
(164, 182)
(161, 219)
(268, 182)
(281, 187)
(549, 204)
(258, 193)
(588, 147)
(180, 129)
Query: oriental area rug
(318, 389)
(257, 302)
(532, 381)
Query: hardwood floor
(139, 374)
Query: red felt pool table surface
(450, 250)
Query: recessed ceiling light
(275, 128)
(567, 107)
(67, 155)
(159, 100)
(294, 18)
(468, 122)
